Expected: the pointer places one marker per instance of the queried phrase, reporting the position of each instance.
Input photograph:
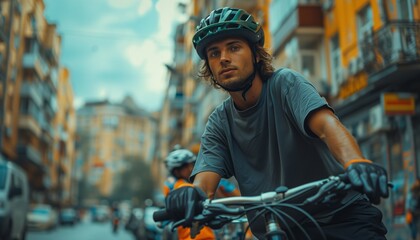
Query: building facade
(107, 135)
(373, 56)
(64, 142)
(29, 80)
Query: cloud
(144, 7)
(150, 57)
(119, 48)
(120, 3)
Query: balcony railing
(28, 122)
(32, 90)
(395, 43)
(297, 17)
(35, 61)
(28, 153)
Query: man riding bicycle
(274, 129)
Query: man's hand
(184, 203)
(369, 178)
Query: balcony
(47, 135)
(247, 5)
(303, 21)
(392, 53)
(27, 122)
(54, 77)
(35, 62)
(390, 59)
(27, 153)
(32, 91)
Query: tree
(135, 183)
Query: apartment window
(335, 56)
(308, 64)
(17, 42)
(110, 121)
(28, 107)
(364, 22)
(405, 10)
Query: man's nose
(224, 57)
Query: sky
(115, 48)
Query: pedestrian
(274, 130)
(413, 212)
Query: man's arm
(363, 174)
(208, 182)
(325, 124)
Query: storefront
(390, 136)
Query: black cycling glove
(369, 178)
(184, 203)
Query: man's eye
(213, 54)
(234, 48)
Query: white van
(14, 201)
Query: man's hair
(264, 67)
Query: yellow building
(30, 52)
(373, 56)
(64, 139)
(107, 135)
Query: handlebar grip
(161, 215)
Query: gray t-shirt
(268, 145)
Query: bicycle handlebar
(290, 207)
(281, 194)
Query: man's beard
(233, 86)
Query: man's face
(230, 61)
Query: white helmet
(179, 157)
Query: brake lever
(326, 189)
(214, 208)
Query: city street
(85, 230)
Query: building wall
(63, 150)
(108, 134)
(29, 70)
(376, 60)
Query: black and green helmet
(226, 22)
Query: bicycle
(282, 209)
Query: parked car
(14, 201)
(134, 223)
(68, 216)
(42, 217)
(151, 229)
(100, 213)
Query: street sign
(398, 103)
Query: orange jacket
(206, 233)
